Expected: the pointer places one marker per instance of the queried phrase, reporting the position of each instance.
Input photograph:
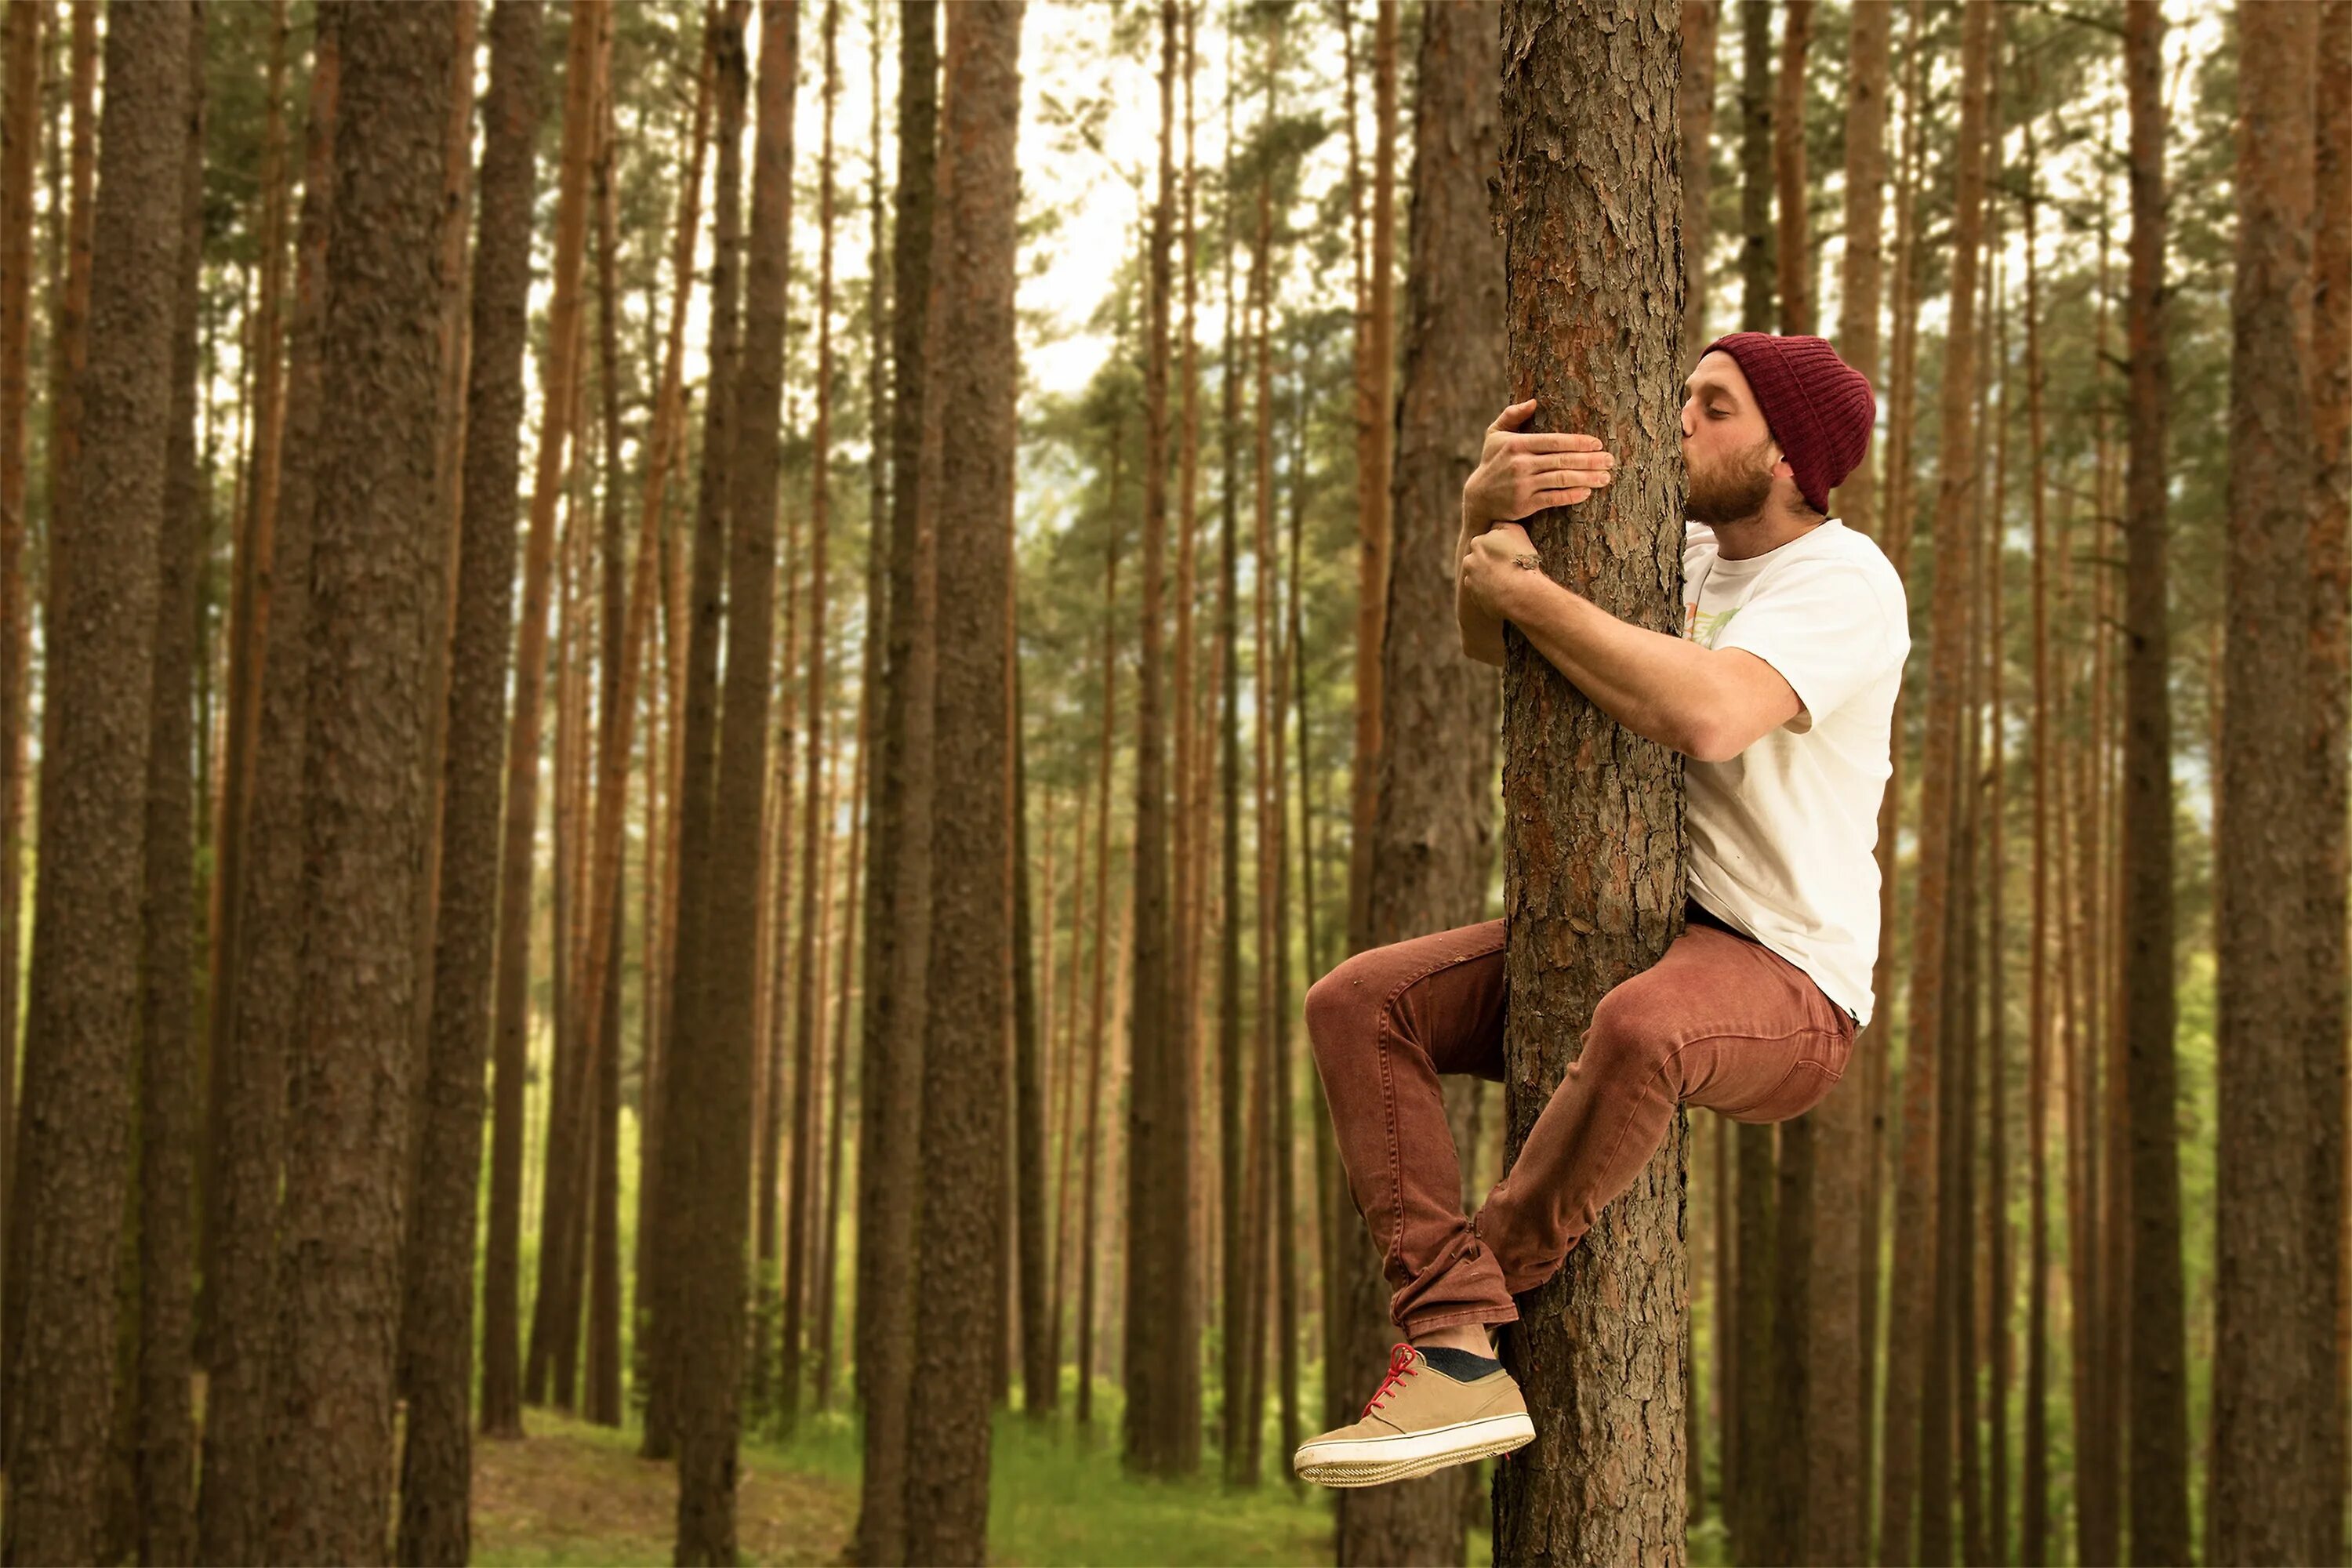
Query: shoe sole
(1375, 1461)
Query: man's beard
(1733, 490)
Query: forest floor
(576, 1494)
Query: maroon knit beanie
(1819, 408)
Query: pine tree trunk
(1598, 1348)
(807, 966)
(1160, 1427)
(1701, 21)
(249, 1069)
(2158, 1433)
(1096, 1027)
(82, 1034)
(828, 1269)
(1234, 1309)
(2033, 1535)
(436, 1463)
(1039, 1372)
(20, 62)
(502, 1390)
(712, 1080)
(1915, 1271)
(372, 590)
(898, 898)
(167, 1070)
(2265, 1358)
(963, 1089)
(1375, 454)
(1793, 256)
(1756, 253)
(2331, 717)
(1436, 826)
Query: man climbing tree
(1778, 696)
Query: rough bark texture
(1435, 823)
(167, 1069)
(899, 868)
(1701, 21)
(2158, 1433)
(2331, 717)
(436, 1457)
(1594, 866)
(712, 1075)
(20, 133)
(1915, 1270)
(699, 732)
(348, 1084)
(1161, 1427)
(503, 1382)
(249, 1069)
(2263, 1357)
(1835, 1527)
(82, 1034)
(963, 1050)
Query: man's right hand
(1520, 473)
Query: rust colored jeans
(1720, 1021)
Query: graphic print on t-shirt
(1704, 629)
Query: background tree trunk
(83, 1031)
(1598, 1348)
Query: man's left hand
(1500, 568)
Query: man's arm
(1708, 704)
(1482, 631)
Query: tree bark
(502, 1390)
(1793, 255)
(249, 1069)
(436, 1457)
(1598, 1348)
(712, 1079)
(1435, 823)
(2158, 1431)
(2265, 1358)
(83, 1032)
(1756, 253)
(1915, 1271)
(963, 1089)
(347, 1102)
(1375, 454)
(1701, 21)
(899, 896)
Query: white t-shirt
(1782, 835)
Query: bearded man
(1781, 693)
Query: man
(1780, 692)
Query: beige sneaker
(1421, 1420)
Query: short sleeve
(1828, 629)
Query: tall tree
(1701, 20)
(1916, 1268)
(84, 1028)
(1792, 256)
(699, 730)
(249, 1067)
(20, 133)
(711, 1078)
(2331, 719)
(2034, 1527)
(1598, 1348)
(898, 898)
(1375, 452)
(1435, 827)
(1756, 249)
(167, 1062)
(372, 591)
(503, 1389)
(2158, 1396)
(1161, 1427)
(436, 1463)
(814, 820)
(2266, 1483)
(963, 1094)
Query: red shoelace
(1403, 1362)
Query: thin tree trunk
(372, 584)
(502, 1381)
(1375, 453)
(1096, 1026)
(1756, 255)
(2158, 1433)
(2264, 1358)
(249, 1069)
(1793, 256)
(963, 1093)
(828, 1269)
(1436, 833)
(436, 1465)
(82, 1036)
(1598, 1348)
(899, 872)
(1701, 20)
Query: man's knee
(1342, 1010)
(1625, 1038)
